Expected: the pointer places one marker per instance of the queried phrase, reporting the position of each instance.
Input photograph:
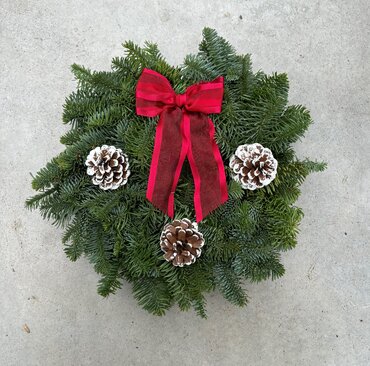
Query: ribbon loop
(183, 132)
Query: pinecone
(253, 166)
(181, 242)
(108, 166)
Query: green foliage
(119, 231)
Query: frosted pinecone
(108, 166)
(253, 166)
(181, 242)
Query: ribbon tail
(155, 160)
(206, 164)
(194, 169)
(168, 156)
(220, 164)
(176, 177)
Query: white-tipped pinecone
(108, 166)
(181, 242)
(253, 166)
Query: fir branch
(229, 285)
(110, 281)
(152, 294)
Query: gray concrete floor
(317, 314)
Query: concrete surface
(317, 314)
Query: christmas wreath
(180, 180)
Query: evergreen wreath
(123, 235)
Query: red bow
(183, 130)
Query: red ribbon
(184, 130)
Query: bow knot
(180, 100)
(183, 132)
